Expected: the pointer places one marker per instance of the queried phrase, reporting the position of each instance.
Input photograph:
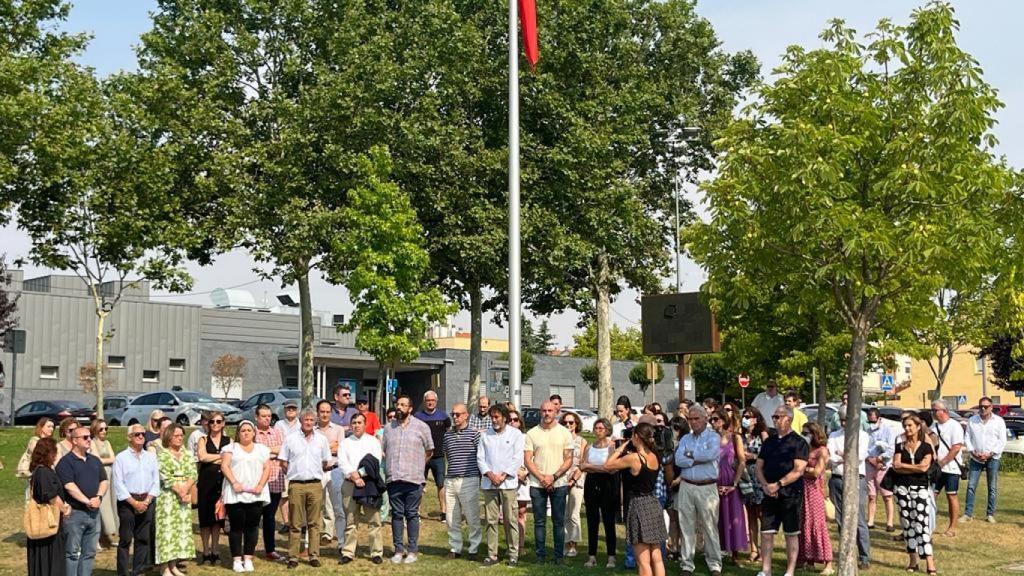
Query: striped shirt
(460, 450)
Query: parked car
(588, 417)
(1003, 410)
(113, 407)
(832, 416)
(30, 413)
(1014, 437)
(273, 398)
(531, 418)
(182, 406)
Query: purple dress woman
(732, 521)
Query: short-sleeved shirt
(917, 478)
(950, 434)
(344, 418)
(247, 467)
(87, 474)
(548, 446)
(460, 451)
(439, 423)
(405, 450)
(305, 455)
(779, 454)
(272, 438)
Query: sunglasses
(728, 409)
(85, 437)
(568, 422)
(777, 417)
(460, 413)
(217, 421)
(345, 395)
(986, 406)
(136, 434)
(716, 419)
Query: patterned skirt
(645, 523)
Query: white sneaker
(991, 519)
(966, 518)
(247, 564)
(763, 573)
(237, 566)
(397, 558)
(411, 558)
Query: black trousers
(270, 522)
(601, 498)
(137, 529)
(245, 527)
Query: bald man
(462, 482)
(439, 423)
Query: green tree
(625, 344)
(543, 339)
(638, 377)
(268, 101)
(35, 64)
(394, 309)
(8, 302)
(527, 365)
(589, 375)
(962, 319)
(97, 199)
(711, 376)
(861, 182)
(1007, 361)
(619, 83)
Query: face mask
(808, 438)
(747, 422)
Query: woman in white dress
(246, 468)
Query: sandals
(949, 533)
(912, 567)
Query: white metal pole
(679, 277)
(513, 203)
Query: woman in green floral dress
(174, 540)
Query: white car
(588, 417)
(182, 406)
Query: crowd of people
(714, 476)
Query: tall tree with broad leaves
(861, 182)
(35, 61)
(619, 84)
(8, 301)
(96, 197)
(277, 110)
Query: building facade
(154, 345)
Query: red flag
(528, 20)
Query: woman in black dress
(46, 555)
(911, 461)
(211, 479)
(645, 520)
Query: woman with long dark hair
(600, 493)
(755, 432)
(911, 460)
(815, 545)
(645, 522)
(46, 555)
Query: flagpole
(513, 205)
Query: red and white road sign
(744, 380)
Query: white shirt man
(985, 440)
(351, 453)
(951, 440)
(499, 456)
(766, 402)
(836, 451)
(304, 457)
(290, 422)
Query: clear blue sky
(990, 30)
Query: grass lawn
(979, 548)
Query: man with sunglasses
(985, 440)
(136, 480)
(780, 469)
(462, 482)
(85, 482)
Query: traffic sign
(961, 399)
(888, 383)
(1018, 393)
(744, 380)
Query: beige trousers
(356, 514)
(698, 510)
(505, 501)
(462, 499)
(305, 504)
(573, 528)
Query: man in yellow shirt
(548, 456)
(799, 418)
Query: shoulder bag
(41, 520)
(963, 469)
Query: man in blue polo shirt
(85, 482)
(439, 423)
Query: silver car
(114, 406)
(273, 398)
(182, 406)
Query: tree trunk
(944, 357)
(306, 349)
(822, 395)
(101, 318)
(847, 565)
(604, 347)
(476, 340)
(382, 387)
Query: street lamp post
(686, 135)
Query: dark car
(58, 410)
(531, 417)
(893, 413)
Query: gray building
(155, 345)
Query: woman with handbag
(911, 462)
(755, 432)
(174, 505)
(46, 504)
(211, 480)
(44, 429)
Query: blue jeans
(405, 514)
(81, 535)
(539, 498)
(991, 469)
(836, 493)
